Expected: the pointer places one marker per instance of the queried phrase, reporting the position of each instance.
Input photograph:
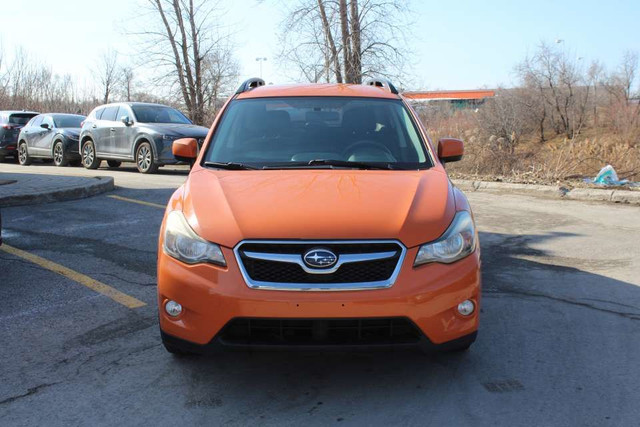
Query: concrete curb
(99, 184)
(554, 191)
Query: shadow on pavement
(543, 326)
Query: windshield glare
(286, 132)
(158, 114)
(68, 121)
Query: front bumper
(9, 148)
(212, 296)
(71, 149)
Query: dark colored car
(135, 132)
(51, 136)
(10, 124)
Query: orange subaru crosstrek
(318, 215)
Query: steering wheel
(351, 148)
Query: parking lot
(558, 343)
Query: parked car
(51, 136)
(10, 124)
(318, 215)
(134, 132)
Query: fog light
(173, 309)
(466, 307)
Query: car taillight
(82, 123)
(7, 127)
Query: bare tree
(371, 39)
(108, 74)
(623, 110)
(620, 83)
(184, 44)
(127, 82)
(560, 82)
(595, 74)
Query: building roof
(450, 94)
(315, 89)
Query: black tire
(176, 351)
(23, 154)
(144, 159)
(460, 348)
(114, 163)
(89, 157)
(59, 156)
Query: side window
(109, 113)
(48, 120)
(122, 111)
(99, 112)
(37, 121)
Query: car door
(27, 130)
(122, 139)
(104, 130)
(34, 134)
(44, 143)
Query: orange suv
(314, 216)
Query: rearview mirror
(126, 120)
(185, 149)
(450, 149)
(45, 126)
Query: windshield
(68, 121)
(159, 114)
(20, 119)
(317, 132)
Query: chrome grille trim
(342, 259)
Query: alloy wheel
(87, 154)
(58, 154)
(22, 153)
(144, 158)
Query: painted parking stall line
(139, 202)
(95, 285)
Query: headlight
(182, 243)
(456, 243)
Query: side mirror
(126, 120)
(45, 126)
(450, 150)
(185, 149)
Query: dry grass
(488, 157)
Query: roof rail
(249, 84)
(380, 82)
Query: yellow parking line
(106, 290)
(140, 202)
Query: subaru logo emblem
(320, 258)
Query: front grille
(366, 331)
(380, 272)
(370, 271)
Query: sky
(455, 44)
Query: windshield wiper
(348, 164)
(229, 166)
(330, 163)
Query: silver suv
(134, 132)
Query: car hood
(228, 206)
(191, 131)
(75, 132)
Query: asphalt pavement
(558, 343)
